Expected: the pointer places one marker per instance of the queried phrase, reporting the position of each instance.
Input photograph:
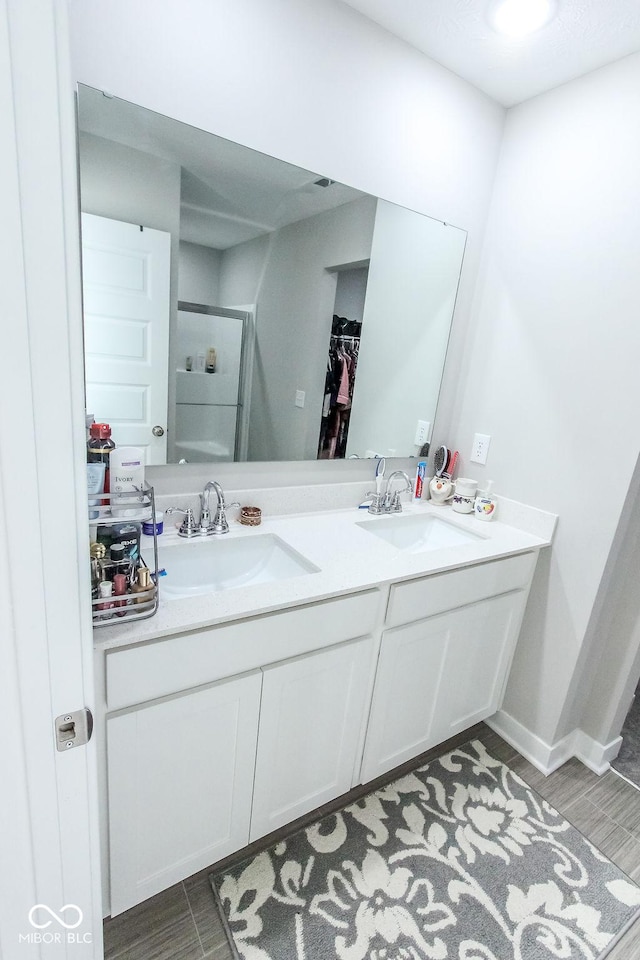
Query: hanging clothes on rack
(338, 393)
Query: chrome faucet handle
(188, 527)
(220, 524)
(377, 502)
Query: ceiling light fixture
(520, 18)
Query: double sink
(212, 564)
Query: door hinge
(73, 729)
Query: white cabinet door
(311, 722)
(180, 776)
(479, 652)
(404, 700)
(437, 677)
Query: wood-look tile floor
(182, 923)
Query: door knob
(157, 431)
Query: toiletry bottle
(485, 504)
(126, 470)
(120, 590)
(97, 553)
(95, 484)
(127, 533)
(210, 366)
(99, 448)
(142, 585)
(105, 591)
(120, 564)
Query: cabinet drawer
(416, 599)
(162, 667)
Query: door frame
(49, 848)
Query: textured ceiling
(584, 35)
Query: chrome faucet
(219, 524)
(205, 526)
(391, 503)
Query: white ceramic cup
(464, 495)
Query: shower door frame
(241, 441)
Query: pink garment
(343, 389)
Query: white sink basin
(216, 563)
(414, 534)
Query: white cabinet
(311, 723)
(180, 774)
(438, 676)
(220, 736)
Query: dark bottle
(99, 448)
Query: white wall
(551, 365)
(293, 326)
(411, 290)
(127, 184)
(198, 274)
(351, 289)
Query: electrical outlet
(480, 448)
(300, 396)
(422, 432)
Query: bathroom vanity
(234, 711)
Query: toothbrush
(380, 468)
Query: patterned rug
(458, 859)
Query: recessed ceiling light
(519, 18)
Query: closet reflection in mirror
(176, 215)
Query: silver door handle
(157, 431)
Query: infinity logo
(58, 917)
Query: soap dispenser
(484, 507)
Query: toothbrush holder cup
(464, 495)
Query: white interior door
(125, 281)
(49, 850)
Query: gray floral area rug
(458, 859)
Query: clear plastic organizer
(109, 509)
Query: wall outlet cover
(480, 448)
(422, 432)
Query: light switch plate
(480, 448)
(422, 432)
(300, 397)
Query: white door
(180, 777)
(49, 852)
(311, 721)
(125, 279)
(439, 676)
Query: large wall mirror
(240, 308)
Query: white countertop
(348, 557)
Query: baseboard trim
(596, 756)
(548, 757)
